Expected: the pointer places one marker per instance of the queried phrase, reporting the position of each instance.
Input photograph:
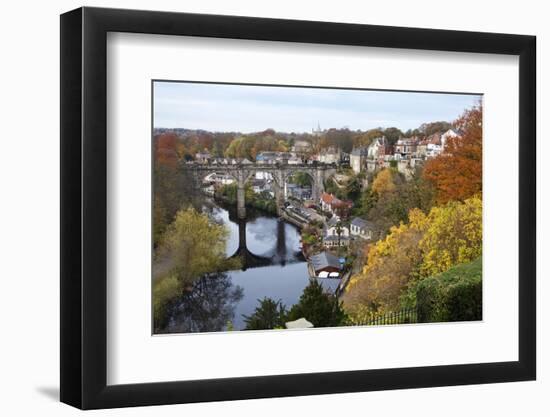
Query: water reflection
(273, 267)
(261, 235)
(207, 307)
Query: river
(274, 268)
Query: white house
(362, 228)
(405, 147)
(334, 205)
(326, 202)
(259, 185)
(433, 145)
(263, 175)
(335, 233)
(335, 228)
(357, 159)
(335, 241)
(294, 160)
(377, 147)
(220, 179)
(330, 156)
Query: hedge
(454, 295)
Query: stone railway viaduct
(242, 173)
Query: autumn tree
(413, 251)
(241, 147)
(191, 247)
(384, 182)
(454, 236)
(391, 264)
(165, 147)
(366, 138)
(173, 187)
(338, 138)
(194, 245)
(166, 199)
(457, 172)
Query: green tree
(353, 189)
(193, 245)
(365, 202)
(302, 179)
(318, 307)
(240, 147)
(269, 314)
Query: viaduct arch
(242, 173)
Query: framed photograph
(256, 208)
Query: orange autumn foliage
(457, 172)
(165, 150)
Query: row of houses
(273, 157)
(412, 150)
(267, 157)
(204, 157)
(337, 233)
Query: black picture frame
(84, 207)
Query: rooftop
(327, 198)
(408, 141)
(324, 260)
(362, 223)
(333, 221)
(363, 151)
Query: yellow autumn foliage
(454, 236)
(192, 246)
(426, 245)
(390, 264)
(384, 183)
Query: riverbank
(296, 220)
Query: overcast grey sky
(222, 107)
